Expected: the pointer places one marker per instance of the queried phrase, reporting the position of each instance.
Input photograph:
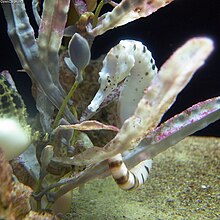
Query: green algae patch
(184, 184)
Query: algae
(184, 184)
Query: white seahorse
(130, 63)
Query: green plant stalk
(64, 104)
(97, 12)
(38, 190)
(48, 206)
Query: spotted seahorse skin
(131, 63)
(139, 78)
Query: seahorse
(130, 63)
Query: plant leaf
(88, 125)
(176, 129)
(172, 78)
(160, 139)
(22, 36)
(125, 12)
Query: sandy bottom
(184, 184)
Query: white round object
(14, 139)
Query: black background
(162, 32)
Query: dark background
(162, 32)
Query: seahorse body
(129, 179)
(130, 63)
(139, 78)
